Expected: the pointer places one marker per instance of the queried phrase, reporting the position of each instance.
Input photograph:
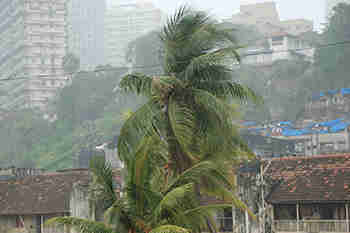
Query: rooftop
(40, 194)
(323, 178)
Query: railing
(311, 226)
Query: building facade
(28, 202)
(123, 24)
(85, 29)
(283, 38)
(33, 44)
(264, 16)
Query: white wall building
(281, 46)
(126, 22)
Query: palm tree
(188, 107)
(148, 205)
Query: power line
(46, 76)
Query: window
(224, 220)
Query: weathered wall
(79, 202)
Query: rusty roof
(40, 194)
(323, 178)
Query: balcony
(311, 226)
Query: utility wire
(46, 76)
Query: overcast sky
(288, 9)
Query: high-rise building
(32, 45)
(126, 22)
(85, 29)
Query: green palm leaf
(142, 123)
(182, 122)
(199, 171)
(80, 225)
(137, 83)
(170, 229)
(103, 180)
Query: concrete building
(281, 46)
(332, 3)
(33, 44)
(264, 16)
(280, 36)
(124, 23)
(85, 31)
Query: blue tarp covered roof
(345, 91)
(332, 92)
(331, 123)
(285, 123)
(249, 123)
(292, 132)
(339, 127)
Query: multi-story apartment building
(123, 24)
(32, 45)
(85, 30)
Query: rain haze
(288, 9)
(231, 117)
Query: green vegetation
(89, 112)
(331, 63)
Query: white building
(281, 46)
(32, 46)
(126, 22)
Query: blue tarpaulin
(285, 123)
(249, 123)
(292, 132)
(332, 92)
(339, 127)
(331, 123)
(345, 91)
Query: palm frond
(199, 171)
(182, 122)
(144, 122)
(81, 225)
(104, 180)
(170, 229)
(138, 83)
(199, 66)
(141, 170)
(205, 208)
(174, 201)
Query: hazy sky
(288, 9)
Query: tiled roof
(41, 194)
(324, 178)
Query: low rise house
(310, 194)
(27, 202)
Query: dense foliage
(89, 112)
